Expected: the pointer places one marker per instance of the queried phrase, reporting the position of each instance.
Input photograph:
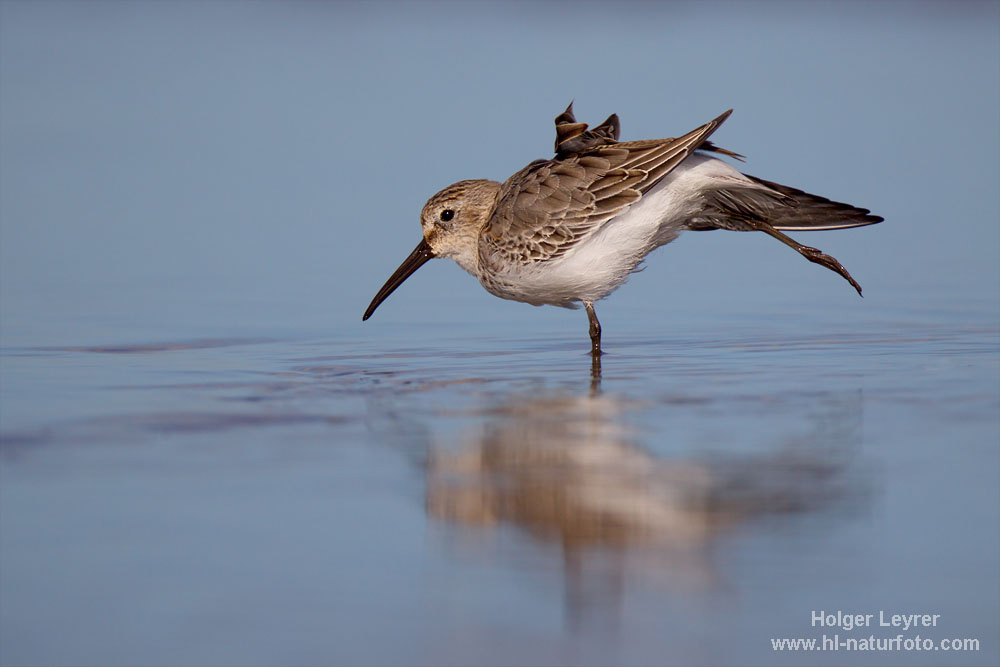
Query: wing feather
(549, 206)
(780, 206)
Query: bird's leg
(812, 254)
(595, 329)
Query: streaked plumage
(570, 230)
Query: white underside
(602, 262)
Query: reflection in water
(567, 470)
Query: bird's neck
(466, 251)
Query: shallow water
(490, 500)
(206, 458)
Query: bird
(569, 230)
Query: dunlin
(570, 230)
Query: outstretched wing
(549, 206)
(780, 206)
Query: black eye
(447, 215)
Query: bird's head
(451, 222)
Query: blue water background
(207, 458)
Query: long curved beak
(417, 258)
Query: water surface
(206, 458)
(486, 500)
